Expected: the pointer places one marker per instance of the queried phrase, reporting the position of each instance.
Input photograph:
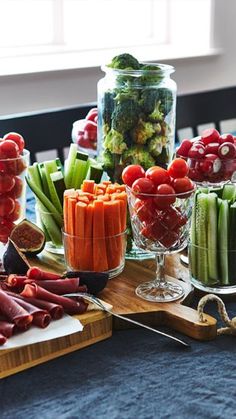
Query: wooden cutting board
(120, 293)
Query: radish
(196, 151)
(227, 150)
(210, 135)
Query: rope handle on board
(230, 328)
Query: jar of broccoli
(136, 115)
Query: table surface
(133, 374)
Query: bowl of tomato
(14, 161)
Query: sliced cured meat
(37, 273)
(41, 318)
(14, 312)
(3, 339)
(56, 311)
(6, 328)
(70, 306)
(60, 286)
(16, 281)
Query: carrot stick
(111, 189)
(114, 242)
(105, 197)
(120, 188)
(88, 186)
(99, 246)
(80, 209)
(99, 187)
(83, 199)
(106, 182)
(122, 197)
(71, 231)
(88, 235)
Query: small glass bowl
(105, 254)
(219, 278)
(46, 221)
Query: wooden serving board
(120, 293)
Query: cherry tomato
(158, 175)
(168, 197)
(8, 149)
(6, 227)
(16, 191)
(182, 184)
(145, 210)
(169, 239)
(15, 215)
(14, 167)
(143, 186)
(90, 131)
(154, 231)
(92, 115)
(7, 205)
(131, 173)
(178, 168)
(17, 138)
(7, 183)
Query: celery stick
(51, 167)
(50, 225)
(193, 250)
(45, 201)
(59, 184)
(44, 180)
(33, 172)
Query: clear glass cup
(105, 254)
(160, 225)
(136, 123)
(12, 193)
(47, 222)
(220, 280)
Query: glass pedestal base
(138, 254)
(166, 292)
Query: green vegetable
(138, 155)
(125, 115)
(212, 244)
(232, 244)
(114, 142)
(51, 167)
(156, 144)
(157, 114)
(69, 167)
(142, 132)
(223, 229)
(58, 181)
(124, 62)
(201, 237)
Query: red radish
(211, 164)
(227, 150)
(212, 148)
(196, 139)
(90, 130)
(37, 273)
(226, 138)
(210, 135)
(92, 115)
(197, 151)
(184, 148)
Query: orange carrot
(88, 186)
(83, 199)
(120, 188)
(88, 235)
(122, 197)
(71, 230)
(80, 209)
(99, 246)
(114, 241)
(106, 182)
(111, 189)
(100, 187)
(105, 197)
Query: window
(86, 31)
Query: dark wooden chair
(211, 107)
(48, 130)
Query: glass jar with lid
(136, 118)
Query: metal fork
(92, 299)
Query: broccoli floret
(142, 131)
(156, 144)
(152, 73)
(149, 98)
(124, 62)
(108, 160)
(125, 115)
(137, 155)
(107, 107)
(157, 114)
(114, 142)
(166, 98)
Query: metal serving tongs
(94, 300)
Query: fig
(28, 237)
(14, 261)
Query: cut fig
(28, 237)
(14, 261)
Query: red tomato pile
(211, 156)
(154, 193)
(87, 130)
(11, 185)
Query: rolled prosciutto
(56, 311)
(14, 312)
(3, 339)
(16, 281)
(6, 328)
(70, 306)
(41, 318)
(60, 286)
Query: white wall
(66, 88)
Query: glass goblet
(160, 224)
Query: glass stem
(160, 280)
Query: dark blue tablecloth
(135, 374)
